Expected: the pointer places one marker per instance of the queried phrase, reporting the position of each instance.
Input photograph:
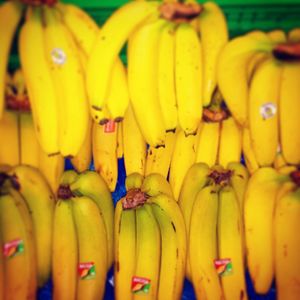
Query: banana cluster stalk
(211, 200)
(150, 241)
(82, 250)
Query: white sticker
(111, 280)
(268, 110)
(59, 57)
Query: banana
(67, 178)
(203, 235)
(188, 77)
(104, 140)
(10, 16)
(263, 111)
(92, 185)
(232, 69)
(43, 100)
(134, 181)
(294, 35)
(69, 82)
(92, 250)
(158, 159)
(258, 215)
(207, 145)
(134, 144)
(124, 251)
(64, 252)
(82, 160)
(182, 158)
(230, 244)
(29, 145)
(289, 110)
(155, 184)
(230, 147)
(9, 131)
(173, 246)
(148, 251)
(142, 76)
(165, 76)
(279, 161)
(120, 143)
(287, 246)
(277, 36)
(19, 84)
(248, 153)
(214, 35)
(40, 200)
(108, 44)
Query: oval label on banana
(58, 55)
(13, 248)
(140, 285)
(268, 110)
(110, 126)
(86, 270)
(223, 266)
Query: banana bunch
(82, 251)
(172, 52)
(211, 200)
(271, 214)
(150, 241)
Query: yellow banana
(69, 82)
(214, 35)
(134, 144)
(10, 16)
(207, 145)
(92, 185)
(155, 184)
(92, 250)
(134, 181)
(165, 76)
(158, 159)
(142, 76)
(9, 132)
(289, 110)
(42, 96)
(40, 200)
(294, 35)
(277, 36)
(182, 158)
(124, 251)
(232, 69)
(263, 111)
(108, 44)
(203, 245)
(287, 246)
(258, 215)
(279, 161)
(230, 244)
(188, 77)
(67, 178)
(173, 246)
(104, 141)
(230, 147)
(120, 143)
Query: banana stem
(134, 198)
(295, 176)
(64, 192)
(221, 178)
(39, 2)
(287, 51)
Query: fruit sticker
(58, 56)
(223, 266)
(13, 248)
(140, 285)
(86, 270)
(268, 110)
(110, 126)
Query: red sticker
(140, 285)
(110, 126)
(86, 270)
(223, 266)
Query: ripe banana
(263, 111)
(40, 200)
(134, 181)
(40, 87)
(108, 44)
(232, 68)
(214, 35)
(203, 235)
(294, 35)
(120, 144)
(142, 76)
(10, 16)
(104, 140)
(67, 75)
(188, 77)
(134, 144)
(289, 110)
(230, 147)
(158, 159)
(155, 184)
(92, 185)
(230, 244)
